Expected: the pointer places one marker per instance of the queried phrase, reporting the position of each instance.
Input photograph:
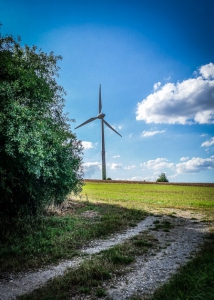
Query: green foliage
(40, 158)
(162, 178)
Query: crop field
(150, 197)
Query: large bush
(40, 158)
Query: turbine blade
(111, 127)
(86, 122)
(100, 100)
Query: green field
(152, 196)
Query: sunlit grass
(152, 196)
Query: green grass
(152, 196)
(53, 237)
(163, 225)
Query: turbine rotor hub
(100, 116)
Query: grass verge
(61, 233)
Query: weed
(85, 290)
(164, 225)
(100, 292)
(142, 243)
(156, 222)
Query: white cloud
(115, 166)
(116, 156)
(167, 78)
(120, 127)
(195, 165)
(208, 143)
(151, 133)
(87, 145)
(187, 102)
(129, 167)
(90, 168)
(184, 158)
(156, 86)
(136, 178)
(158, 164)
(207, 71)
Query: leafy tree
(162, 178)
(40, 158)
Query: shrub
(40, 158)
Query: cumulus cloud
(136, 178)
(208, 143)
(156, 86)
(151, 133)
(130, 167)
(207, 71)
(116, 156)
(184, 158)
(87, 145)
(186, 102)
(195, 165)
(90, 168)
(158, 164)
(115, 166)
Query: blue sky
(155, 62)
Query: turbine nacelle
(100, 116)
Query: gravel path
(151, 272)
(147, 272)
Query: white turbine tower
(101, 116)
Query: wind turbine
(101, 116)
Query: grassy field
(147, 197)
(101, 209)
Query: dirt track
(175, 249)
